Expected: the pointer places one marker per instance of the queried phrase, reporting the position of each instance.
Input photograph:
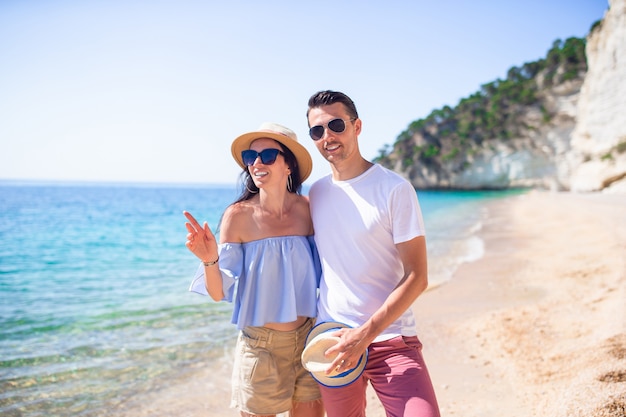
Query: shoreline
(536, 327)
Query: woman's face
(265, 174)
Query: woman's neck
(275, 202)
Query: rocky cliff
(551, 124)
(598, 156)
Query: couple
(372, 252)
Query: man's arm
(414, 282)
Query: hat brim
(241, 143)
(312, 350)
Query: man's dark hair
(328, 97)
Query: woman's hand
(200, 240)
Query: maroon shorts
(398, 374)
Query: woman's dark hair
(327, 97)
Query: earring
(289, 184)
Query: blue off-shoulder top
(272, 280)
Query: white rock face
(595, 159)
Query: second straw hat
(318, 342)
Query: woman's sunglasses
(268, 156)
(336, 125)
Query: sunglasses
(335, 125)
(268, 156)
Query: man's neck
(350, 169)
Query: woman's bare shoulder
(235, 221)
(303, 201)
(304, 212)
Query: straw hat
(319, 341)
(281, 134)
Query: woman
(266, 264)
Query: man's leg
(347, 401)
(400, 378)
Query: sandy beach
(537, 327)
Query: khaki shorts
(268, 376)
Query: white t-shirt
(357, 224)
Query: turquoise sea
(93, 286)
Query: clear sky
(156, 90)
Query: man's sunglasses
(336, 125)
(268, 156)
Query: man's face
(335, 146)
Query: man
(370, 236)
